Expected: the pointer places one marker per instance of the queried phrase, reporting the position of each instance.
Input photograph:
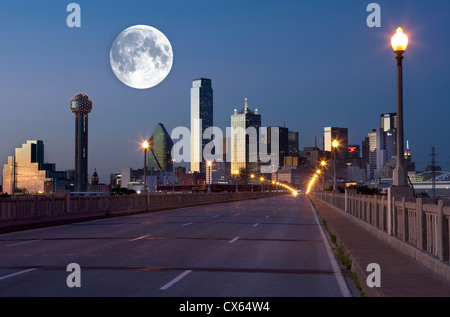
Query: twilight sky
(305, 64)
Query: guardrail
(40, 207)
(421, 222)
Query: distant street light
(399, 43)
(173, 176)
(252, 177)
(145, 145)
(323, 163)
(236, 174)
(335, 146)
(262, 183)
(209, 175)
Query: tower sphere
(81, 104)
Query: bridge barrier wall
(26, 210)
(419, 227)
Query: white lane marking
(139, 238)
(256, 224)
(343, 287)
(233, 240)
(17, 273)
(175, 280)
(11, 245)
(187, 224)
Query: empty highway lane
(271, 247)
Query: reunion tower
(81, 106)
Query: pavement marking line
(139, 238)
(175, 280)
(233, 240)
(343, 287)
(11, 245)
(187, 224)
(17, 273)
(256, 224)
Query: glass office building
(244, 143)
(339, 134)
(159, 153)
(201, 119)
(26, 171)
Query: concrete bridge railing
(421, 224)
(35, 208)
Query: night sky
(303, 64)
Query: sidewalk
(401, 275)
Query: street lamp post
(262, 183)
(173, 176)
(399, 43)
(209, 175)
(236, 173)
(145, 146)
(335, 146)
(252, 177)
(323, 163)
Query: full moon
(141, 56)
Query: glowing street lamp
(252, 177)
(236, 173)
(323, 163)
(262, 183)
(209, 175)
(173, 172)
(335, 145)
(399, 43)
(145, 145)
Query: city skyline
(267, 53)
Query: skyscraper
(388, 121)
(339, 134)
(283, 143)
(81, 105)
(293, 143)
(244, 143)
(159, 152)
(26, 171)
(201, 119)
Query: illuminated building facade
(201, 119)
(26, 172)
(244, 146)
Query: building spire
(246, 105)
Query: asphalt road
(270, 247)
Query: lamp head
(335, 144)
(399, 41)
